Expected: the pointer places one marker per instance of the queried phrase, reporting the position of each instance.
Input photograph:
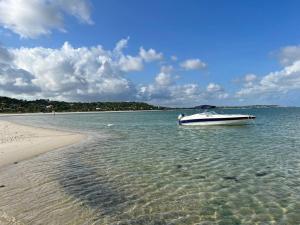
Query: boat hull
(217, 121)
(211, 123)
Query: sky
(170, 52)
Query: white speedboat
(212, 118)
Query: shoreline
(67, 113)
(126, 111)
(19, 142)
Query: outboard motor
(180, 117)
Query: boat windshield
(210, 112)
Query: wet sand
(19, 142)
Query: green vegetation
(11, 105)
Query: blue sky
(196, 52)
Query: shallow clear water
(142, 168)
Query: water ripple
(146, 170)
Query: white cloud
(81, 9)
(277, 84)
(167, 92)
(164, 78)
(166, 69)
(17, 81)
(248, 80)
(5, 56)
(250, 77)
(274, 83)
(216, 91)
(212, 87)
(193, 64)
(93, 74)
(121, 45)
(12, 79)
(129, 63)
(289, 55)
(183, 95)
(150, 55)
(174, 58)
(32, 18)
(68, 73)
(75, 73)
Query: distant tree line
(12, 105)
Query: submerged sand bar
(19, 142)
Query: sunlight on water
(142, 168)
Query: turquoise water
(142, 168)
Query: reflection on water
(147, 170)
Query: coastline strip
(19, 142)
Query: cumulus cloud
(81, 9)
(183, 95)
(172, 95)
(216, 91)
(13, 79)
(167, 69)
(17, 81)
(93, 74)
(289, 55)
(164, 78)
(130, 63)
(121, 45)
(68, 73)
(250, 77)
(150, 55)
(127, 63)
(212, 87)
(77, 73)
(248, 80)
(165, 90)
(278, 83)
(5, 56)
(274, 83)
(32, 18)
(193, 64)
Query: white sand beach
(19, 142)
